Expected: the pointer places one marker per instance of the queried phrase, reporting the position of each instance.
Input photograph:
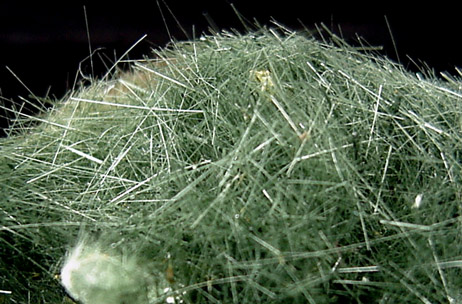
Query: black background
(44, 43)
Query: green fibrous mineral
(269, 167)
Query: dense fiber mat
(261, 168)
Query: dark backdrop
(43, 44)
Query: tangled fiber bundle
(261, 168)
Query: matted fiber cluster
(261, 168)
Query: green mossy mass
(260, 168)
